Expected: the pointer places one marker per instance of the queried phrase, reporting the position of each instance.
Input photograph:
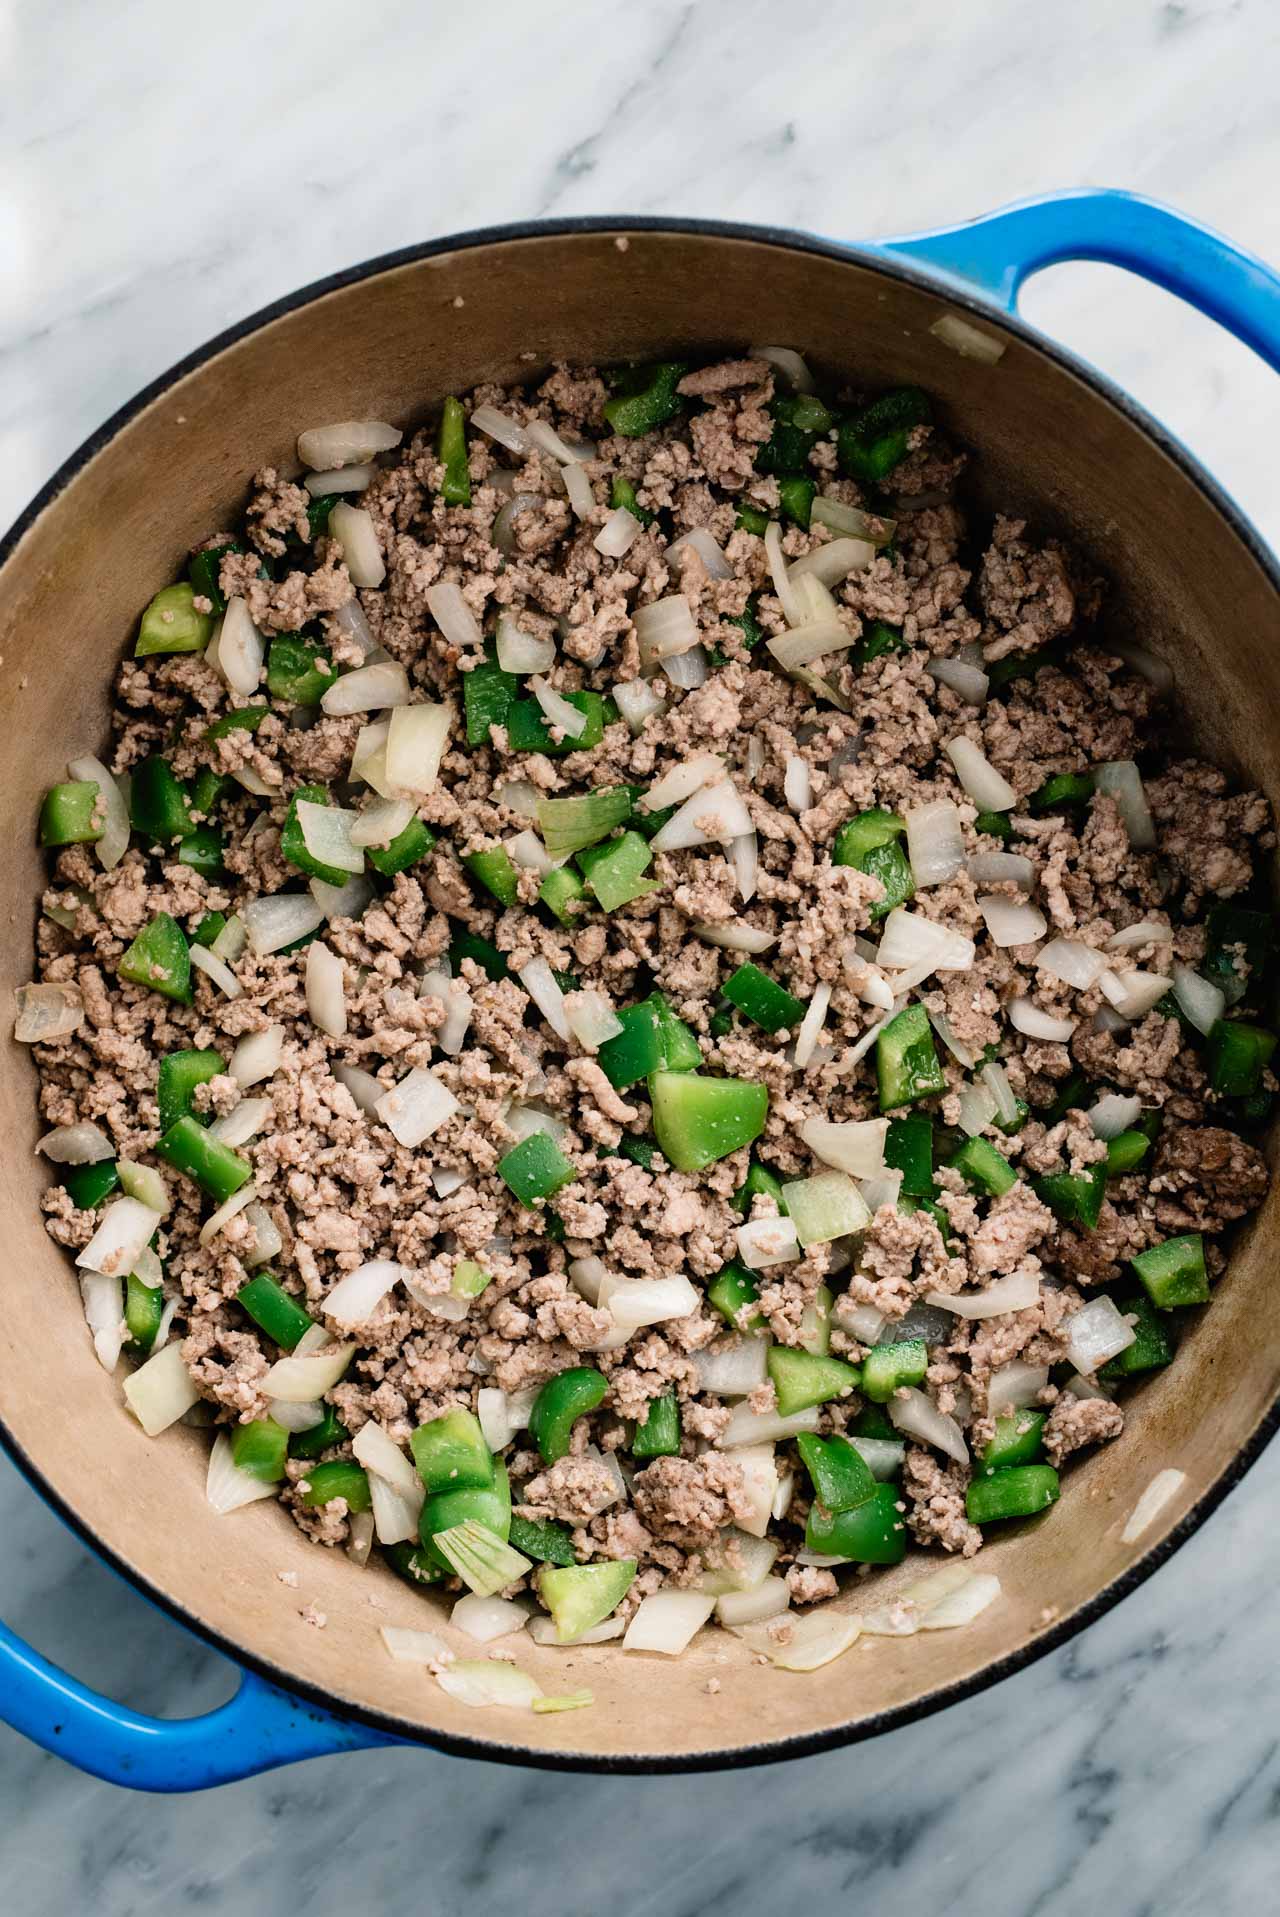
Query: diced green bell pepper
(1011, 1126)
(205, 790)
(70, 814)
(1019, 1492)
(340, 1478)
(1152, 1347)
(580, 1595)
(414, 1564)
(622, 494)
(1076, 1197)
(320, 1438)
(293, 846)
(1063, 789)
(759, 1182)
(158, 807)
(613, 870)
(986, 1169)
(697, 1120)
(877, 639)
(747, 621)
(877, 437)
(489, 1505)
(802, 1378)
(872, 1532)
(294, 672)
(159, 959)
(798, 422)
(658, 1432)
(203, 570)
(1239, 1054)
(646, 398)
(840, 1475)
(451, 448)
(88, 1185)
(887, 1368)
(907, 1066)
(815, 1323)
(451, 1454)
(528, 730)
(751, 519)
(908, 1148)
(469, 945)
(762, 1000)
(570, 824)
(172, 624)
(202, 849)
(637, 1050)
(795, 498)
(239, 719)
(176, 1079)
(488, 694)
(260, 1449)
(494, 870)
(274, 1310)
(143, 1310)
(541, 1539)
(1173, 1273)
(680, 1049)
(1069, 1099)
(535, 1168)
(406, 849)
(1017, 1440)
(1227, 927)
(996, 825)
(1126, 1152)
(188, 1147)
(563, 892)
(564, 1399)
(734, 1289)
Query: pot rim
(895, 266)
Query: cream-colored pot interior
(388, 346)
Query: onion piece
(500, 426)
(257, 1056)
(839, 518)
(1143, 932)
(788, 362)
(797, 784)
(1123, 781)
(935, 842)
(989, 789)
(417, 738)
(1202, 1002)
(226, 1487)
(351, 442)
(280, 920)
(717, 814)
(326, 990)
(688, 670)
(357, 1295)
(977, 1109)
(368, 689)
(996, 1080)
(968, 682)
(363, 1087)
(863, 1322)
(559, 714)
(1156, 671)
(1019, 1291)
(1027, 1018)
(47, 1012)
(160, 1391)
(834, 561)
(968, 340)
(638, 702)
(415, 1647)
(81, 1144)
(543, 1631)
(1012, 921)
(212, 966)
(592, 1019)
(811, 639)
(1113, 1113)
(910, 939)
(767, 1241)
(811, 1025)
(809, 1641)
(821, 1208)
(787, 596)
(361, 1530)
(240, 649)
(230, 1209)
(664, 628)
(763, 1427)
(1015, 1385)
(539, 982)
(125, 1229)
(487, 1618)
(732, 1367)
(503, 531)
(102, 1295)
(326, 833)
(911, 1411)
(520, 651)
(769, 1599)
(113, 843)
(340, 479)
(667, 1621)
(1135, 993)
(1072, 962)
(479, 1683)
(416, 1107)
(683, 780)
(883, 1456)
(577, 484)
(1096, 1333)
(618, 534)
(699, 540)
(737, 937)
(459, 1009)
(377, 825)
(353, 529)
(302, 1376)
(632, 1302)
(1001, 868)
(1162, 1489)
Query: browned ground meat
(805, 756)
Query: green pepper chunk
(1011, 1126)
(239, 719)
(293, 846)
(907, 1066)
(680, 1049)
(1152, 1347)
(877, 437)
(795, 498)
(799, 420)
(494, 870)
(733, 1291)
(295, 673)
(528, 731)
(469, 945)
(413, 1564)
(1076, 1197)
(872, 1532)
(1173, 1273)
(1017, 1440)
(451, 1454)
(908, 1148)
(88, 1185)
(1228, 927)
(489, 1505)
(580, 1595)
(760, 1182)
(996, 825)
(70, 814)
(562, 891)
(751, 519)
(1063, 789)
(260, 1448)
(653, 1038)
(321, 1437)
(1069, 1099)
(1126, 1152)
(143, 1310)
(658, 1432)
(622, 494)
(274, 1310)
(804, 1378)
(159, 959)
(451, 446)
(748, 624)
(487, 697)
(172, 624)
(878, 638)
(340, 1478)
(318, 511)
(564, 1399)
(874, 1422)
(986, 1169)
(204, 569)
(406, 849)
(762, 1000)
(613, 870)
(201, 849)
(535, 1168)
(697, 1120)
(1019, 1492)
(887, 1368)
(176, 1079)
(869, 842)
(157, 803)
(646, 399)
(541, 1539)
(840, 1475)
(204, 791)
(1239, 1054)
(188, 1147)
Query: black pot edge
(812, 1743)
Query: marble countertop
(153, 192)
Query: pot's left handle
(256, 1730)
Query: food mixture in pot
(642, 1009)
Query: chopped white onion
(303, 1376)
(909, 939)
(487, 1618)
(968, 340)
(416, 1107)
(559, 714)
(755, 1557)
(350, 442)
(1015, 1385)
(809, 1641)
(240, 649)
(911, 1411)
(577, 484)
(688, 670)
(1202, 1002)
(1114, 1112)
(769, 1599)
(1144, 932)
(1156, 671)
(113, 843)
(297, 1417)
(787, 595)
(415, 1647)
(717, 814)
(229, 1209)
(811, 1025)
(883, 1456)
(160, 1391)
(683, 780)
(737, 937)
(977, 1109)
(340, 479)
(667, 1621)
(500, 426)
(833, 513)
(363, 1087)
(1027, 1018)
(884, 1189)
(862, 1322)
(935, 842)
(834, 561)
(618, 534)
(523, 1120)
(632, 1302)
(47, 1012)
(539, 982)
(1012, 921)
(1071, 961)
(543, 1631)
(214, 968)
(1097, 1332)
(125, 1229)
(1123, 781)
(1019, 1291)
(592, 1019)
(767, 1241)
(103, 1297)
(361, 1531)
(996, 1080)
(664, 628)
(416, 741)
(503, 532)
(82, 1144)
(520, 651)
(826, 1206)
(989, 789)
(353, 529)
(638, 702)
(1164, 1487)
(368, 689)
(227, 1488)
(732, 1367)
(970, 683)
(497, 1425)
(1001, 868)
(788, 362)
(1133, 994)
(377, 825)
(797, 784)
(281, 920)
(811, 639)
(763, 1427)
(699, 540)
(459, 1009)
(326, 990)
(326, 833)
(480, 1683)
(257, 1056)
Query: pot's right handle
(998, 251)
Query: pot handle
(998, 251)
(256, 1730)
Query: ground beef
(1075, 1422)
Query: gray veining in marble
(154, 187)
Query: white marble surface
(156, 187)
